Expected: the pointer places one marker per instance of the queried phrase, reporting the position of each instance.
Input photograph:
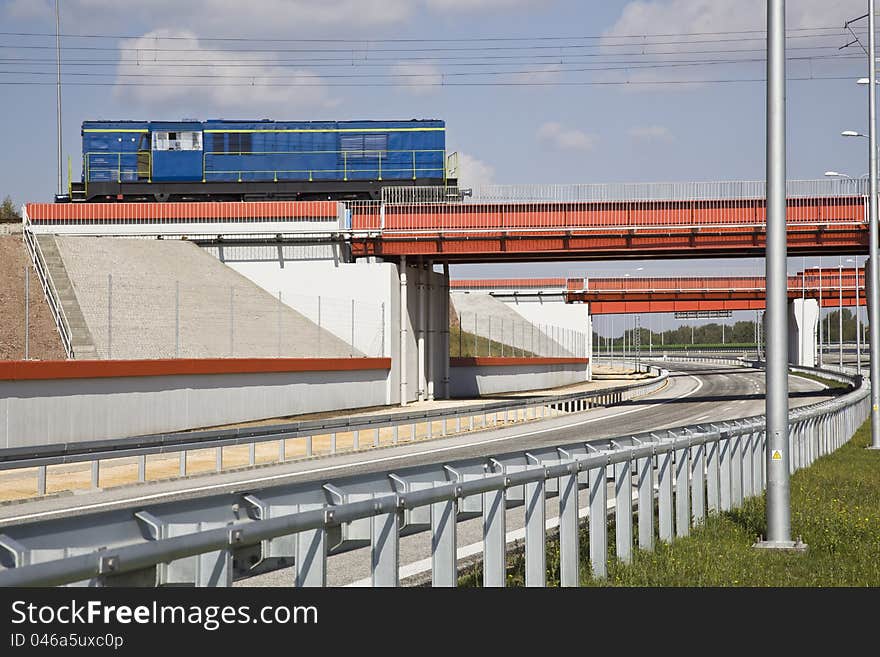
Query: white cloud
(473, 172)
(484, 5)
(218, 82)
(418, 78)
(568, 139)
(691, 16)
(224, 17)
(236, 18)
(680, 17)
(651, 133)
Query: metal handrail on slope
(47, 284)
(698, 469)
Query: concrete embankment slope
(144, 299)
(484, 315)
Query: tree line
(739, 333)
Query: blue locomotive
(257, 160)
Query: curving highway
(696, 393)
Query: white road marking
(259, 480)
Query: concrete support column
(431, 336)
(803, 317)
(404, 320)
(444, 323)
(421, 294)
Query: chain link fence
(476, 334)
(130, 318)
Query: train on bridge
(219, 160)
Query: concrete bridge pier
(803, 323)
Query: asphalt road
(695, 393)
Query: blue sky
(563, 126)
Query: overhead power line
(792, 32)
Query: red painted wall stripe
(24, 370)
(514, 362)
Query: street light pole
(778, 505)
(821, 283)
(858, 320)
(874, 279)
(840, 308)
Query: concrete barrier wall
(485, 376)
(51, 402)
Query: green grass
(832, 385)
(461, 344)
(835, 509)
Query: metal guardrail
(536, 407)
(47, 284)
(697, 469)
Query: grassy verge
(835, 509)
(832, 385)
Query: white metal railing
(619, 192)
(50, 291)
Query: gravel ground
(44, 341)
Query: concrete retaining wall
(42, 404)
(485, 376)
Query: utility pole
(776, 382)
(840, 309)
(821, 284)
(58, 92)
(874, 279)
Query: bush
(8, 211)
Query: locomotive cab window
(364, 146)
(177, 141)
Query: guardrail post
(569, 540)
(444, 571)
(142, 468)
(747, 467)
(682, 492)
(698, 485)
(623, 511)
(41, 480)
(96, 473)
(494, 539)
(218, 465)
(310, 560)
(599, 522)
(536, 528)
(181, 470)
(646, 503)
(664, 501)
(757, 462)
(384, 549)
(724, 468)
(713, 484)
(736, 474)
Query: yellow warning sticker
(777, 455)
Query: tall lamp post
(873, 281)
(778, 496)
(858, 320)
